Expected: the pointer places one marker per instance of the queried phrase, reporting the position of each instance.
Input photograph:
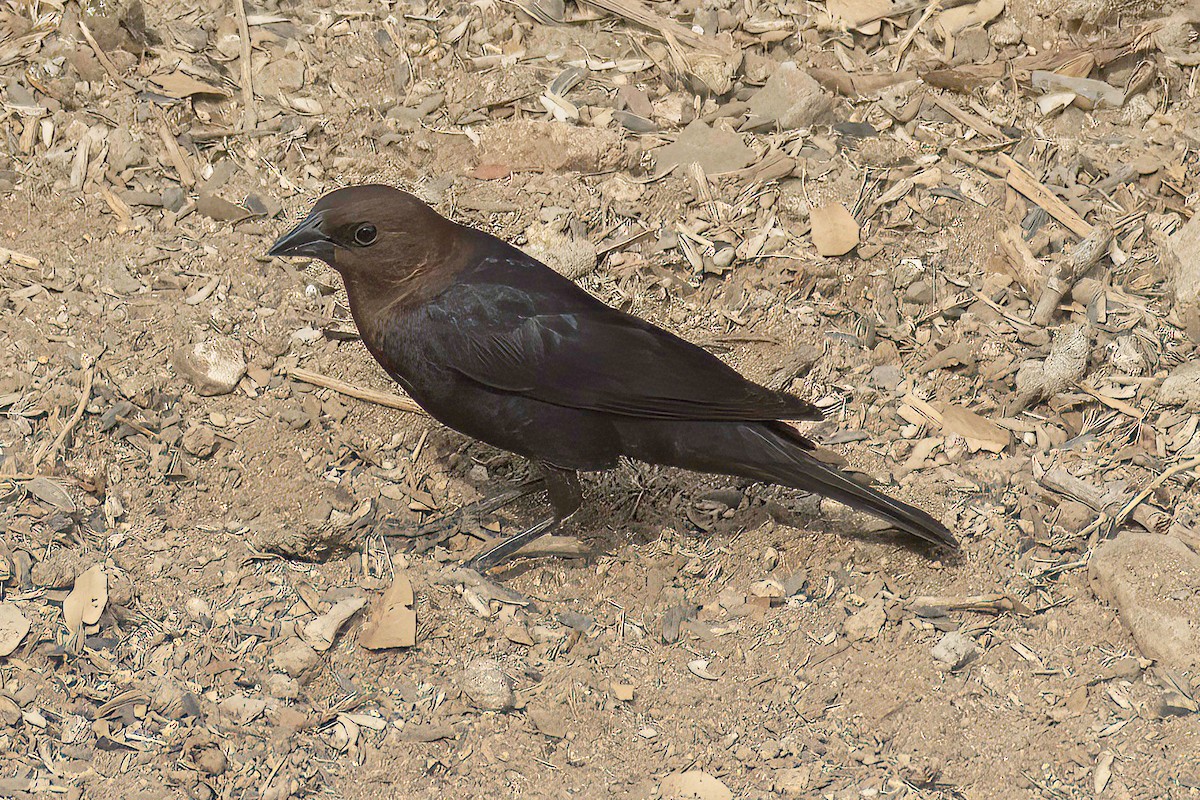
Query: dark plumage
(500, 347)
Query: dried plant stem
(350, 390)
(52, 449)
(249, 110)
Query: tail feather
(789, 462)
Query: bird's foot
(468, 519)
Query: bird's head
(372, 233)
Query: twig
(967, 118)
(20, 259)
(1022, 180)
(249, 110)
(1068, 269)
(635, 11)
(1137, 499)
(101, 56)
(930, 10)
(370, 395)
(52, 449)
(186, 176)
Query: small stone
(623, 691)
(548, 721)
(213, 366)
(716, 150)
(955, 649)
(1150, 578)
(1182, 387)
(295, 658)
(200, 441)
(792, 99)
(866, 624)
(919, 291)
(487, 685)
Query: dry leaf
(834, 230)
(392, 622)
(321, 632)
(86, 602)
(953, 20)
(180, 85)
(981, 433)
(13, 628)
(854, 13)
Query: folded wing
(548, 339)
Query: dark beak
(306, 240)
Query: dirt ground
(181, 541)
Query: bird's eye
(365, 235)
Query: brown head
(390, 248)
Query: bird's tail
(773, 452)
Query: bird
(501, 348)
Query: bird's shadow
(635, 502)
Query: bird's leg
(565, 498)
(449, 522)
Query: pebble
(295, 658)
(200, 441)
(1150, 579)
(487, 685)
(548, 721)
(866, 624)
(955, 649)
(792, 98)
(213, 366)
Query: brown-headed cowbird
(500, 347)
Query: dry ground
(774, 643)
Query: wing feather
(552, 341)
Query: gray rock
(955, 649)
(1151, 580)
(213, 366)
(487, 685)
(792, 98)
(1182, 387)
(714, 149)
(295, 658)
(1181, 254)
(919, 291)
